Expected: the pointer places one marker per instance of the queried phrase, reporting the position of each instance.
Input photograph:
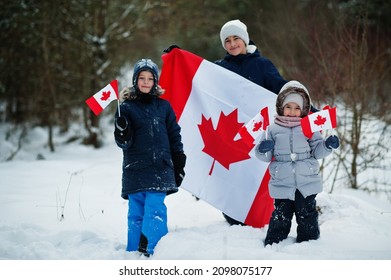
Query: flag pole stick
(266, 136)
(119, 112)
(266, 132)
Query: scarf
(287, 121)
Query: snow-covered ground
(67, 206)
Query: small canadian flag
(250, 131)
(100, 100)
(322, 120)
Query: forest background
(56, 54)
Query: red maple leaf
(220, 144)
(257, 126)
(320, 120)
(105, 95)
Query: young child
(153, 158)
(294, 170)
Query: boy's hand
(121, 123)
(179, 161)
(170, 48)
(122, 130)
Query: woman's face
(291, 109)
(235, 46)
(145, 81)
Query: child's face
(145, 81)
(291, 109)
(235, 46)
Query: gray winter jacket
(294, 163)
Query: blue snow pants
(281, 219)
(147, 221)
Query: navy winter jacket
(255, 68)
(147, 156)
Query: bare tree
(111, 28)
(343, 58)
(349, 77)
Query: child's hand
(121, 123)
(170, 48)
(179, 161)
(122, 130)
(265, 146)
(332, 142)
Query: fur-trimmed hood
(293, 87)
(132, 93)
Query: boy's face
(235, 45)
(291, 109)
(145, 81)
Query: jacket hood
(133, 93)
(293, 87)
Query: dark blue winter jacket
(255, 68)
(147, 162)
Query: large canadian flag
(212, 104)
(100, 100)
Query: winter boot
(142, 247)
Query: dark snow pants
(281, 219)
(147, 221)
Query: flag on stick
(100, 100)
(250, 132)
(322, 120)
(211, 104)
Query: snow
(67, 206)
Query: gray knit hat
(295, 98)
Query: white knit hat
(294, 97)
(234, 28)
